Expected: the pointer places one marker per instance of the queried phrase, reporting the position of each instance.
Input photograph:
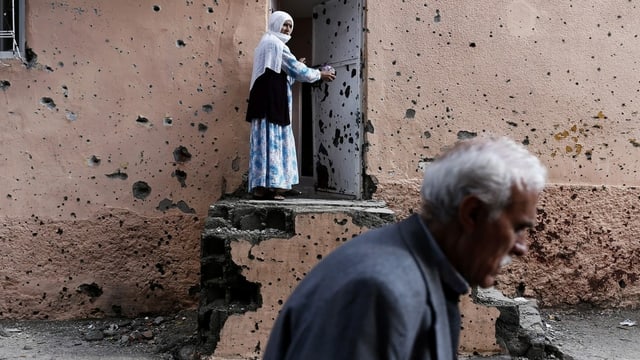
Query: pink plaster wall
(78, 115)
(561, 77)
(278, 265)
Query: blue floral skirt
(273, 162)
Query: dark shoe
(293, 192)
(263, 195)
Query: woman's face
(287, 27)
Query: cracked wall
(255, 255)
(125, 110)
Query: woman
(273, 166)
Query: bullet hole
(4, 84)
(48, 102)
(185, 208)
(181, 176)
(207, 108)
(71, 116)
(323, 150)
(202, 127)
(165, 204)
(347, 92)
(472, 44)
(141, 190)
(30, 57)
(353, 73)
(65, 91)
(156, 8)
(520, 289)
(60, 64)
(466, 135)
(92, 290)
(142, 120)
(622, 284)
(369, 128)
(337, 139)
(210, 10)
(153, 285)
(94, 161)
(427, 134)
(342, 222)
(117, 175)
(437, 18)
(180, 44)
(181, 154)
(160, 268)
(168, 121)
(410, 114)
(48, 69)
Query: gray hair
(485, 167)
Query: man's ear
(470, 212)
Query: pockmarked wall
(125, 124)
(560, 77)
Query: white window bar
(11, 32)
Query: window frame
(17, 50)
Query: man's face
(488, 243)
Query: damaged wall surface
(121, 129)
(127, 122)
(560, 77)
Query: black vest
(268, 98)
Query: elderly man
(393, 292)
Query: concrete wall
(254, 254)
(561, 77)
(127, 123)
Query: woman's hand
(327, 75)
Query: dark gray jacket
(386, 294)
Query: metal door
(337, 41)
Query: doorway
(327, 119)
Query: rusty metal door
(337, 129)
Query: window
(12, 29)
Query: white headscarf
(268, 53)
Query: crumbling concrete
(519, 329)
(255, 252)
(253, 255)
